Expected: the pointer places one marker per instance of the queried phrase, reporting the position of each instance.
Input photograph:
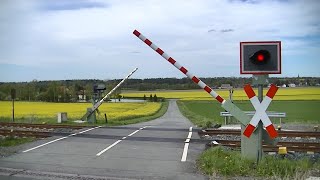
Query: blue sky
(92, 39)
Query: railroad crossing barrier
(226, 104)
(271, 114)
(252, 147)
(90, 115)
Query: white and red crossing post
(260, 113)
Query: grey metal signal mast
(259, 59)
(92, 110)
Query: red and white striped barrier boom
(178, 66)
(226, 104)
(260, 111)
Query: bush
(282, 168)
(208, 124)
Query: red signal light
(260, 57)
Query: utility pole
(13, 96)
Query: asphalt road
(158, 149)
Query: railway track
(24, 133)
(291, 146)
(32, 130)
(40, 126)
(211, 132)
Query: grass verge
(221, 162)
(196, 117)
(11, 141)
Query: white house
(225, 86)
(291, 85)
(82, 98)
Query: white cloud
(79, 36)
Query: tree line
(69, 90)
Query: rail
(40, 126)
(291, 146)
(211, 132)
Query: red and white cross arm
(178, 66)
(260, 111)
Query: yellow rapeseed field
(42, 110)
(239, 94)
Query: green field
(199, 112)
(300, 104)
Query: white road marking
(88, 130)
(44, 144)
(133, 133)
(185, 152)
(109, 147)
(186, 146)
(189, 135)
(59, 139)
(72, 134)
(115, 143)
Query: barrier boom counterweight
(95, 106)
(226, 104)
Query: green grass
(221, 162)
(11, 141)
(227, 163)
(201, 112)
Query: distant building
(291, 85)
(284, 85)
(225, 86)
(82, 98)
